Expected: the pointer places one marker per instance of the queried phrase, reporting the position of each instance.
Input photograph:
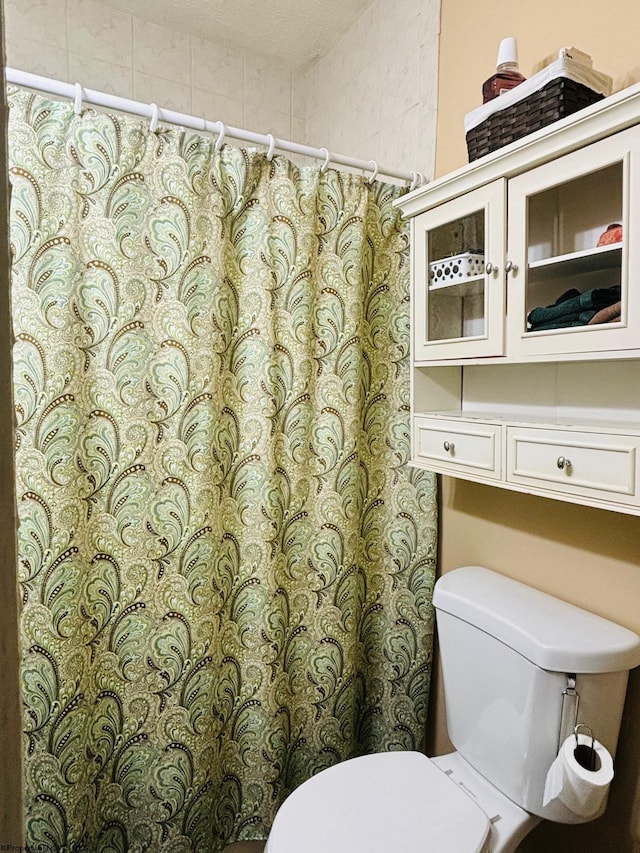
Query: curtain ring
(77, 101)
(222, 130)
(414, 181)
(272, 145)
(153, 124)
(327, 158)
(375, 172)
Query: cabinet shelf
(576, 263)
(603, 424)
(472, 285)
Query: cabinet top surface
(617, 112)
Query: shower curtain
(225, 564)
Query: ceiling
(295, 31)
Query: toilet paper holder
(569, 710)
(585, 754)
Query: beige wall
(587, 556)
(471, 32)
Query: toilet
(521, 670)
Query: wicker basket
(559, 98)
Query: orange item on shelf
(613, 234)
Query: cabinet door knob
(510, 267)
(449, 446)
(563, 464)
(489, 268)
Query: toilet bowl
(522, 671)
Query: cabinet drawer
(457, 445)
(580, 463)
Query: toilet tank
(507, 651)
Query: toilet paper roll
(581, 790)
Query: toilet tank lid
(551, 633)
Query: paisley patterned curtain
(226, 566)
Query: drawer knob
(563, 464)
(449, 446)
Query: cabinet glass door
(459, 277)
(568, 263)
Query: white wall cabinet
(526, 331)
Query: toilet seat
(392, 801)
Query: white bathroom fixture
(521, 669)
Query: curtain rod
(80, 96)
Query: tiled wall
(102, 48)
(373, 96)
(376, 91)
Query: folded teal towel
(582, 319)
(572, 308)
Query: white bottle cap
(508, 51)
